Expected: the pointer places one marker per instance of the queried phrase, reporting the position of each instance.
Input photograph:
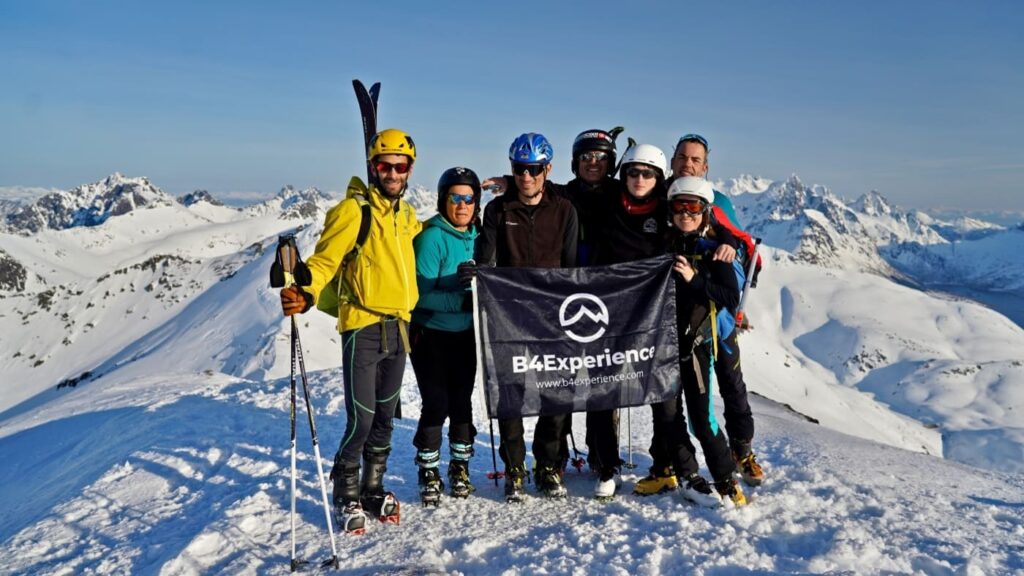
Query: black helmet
(594, 140)
(453, 176)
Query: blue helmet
(531, 148)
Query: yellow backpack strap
(714, 330)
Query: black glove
(466, 272)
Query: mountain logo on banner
(599, 318)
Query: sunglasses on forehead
(694, 138)
(385, 167)
(463, 198)
(691, 207)
(531, 169)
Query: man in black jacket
(529, 226)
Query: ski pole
(288, 268)
(747, 283)
(295, 563)
(629, 436)
(577, 462)
(493, 474)
(333, 560)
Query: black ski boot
(514, 477)
(549, 481)
(375, 499)
(348, 511)
(431, 487)
(458, 478)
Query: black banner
(576, 339)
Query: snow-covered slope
(188, 473)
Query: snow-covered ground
(187, 474)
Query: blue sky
(918, 100)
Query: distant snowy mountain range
(144, 398)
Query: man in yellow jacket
(376, 292)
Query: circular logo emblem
(598, 316)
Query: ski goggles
(463, 198)
(385, 167)
(531, 169)
(647, 173)
(695, 138)
(691, 207)
(593, 156)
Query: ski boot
(514, 491)
(697, 490)
(458, 478)
(607, 484)
(378, 502)
(750, 470)
(658, 481)
(431, 487)
(348, 511)
(549, 482)
(730, 490)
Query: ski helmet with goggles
(391, 141)
(594, 140)
(531, 148)
(645, 154)
(692, 186)
(452, 177)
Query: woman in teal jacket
(443, 347)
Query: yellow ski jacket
(382, 279)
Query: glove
(466, 272)
(295, 301)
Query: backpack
(336, 292)
(747, 248)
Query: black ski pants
(445, 366)
(603, 439)
(739, 421)
(549, 444)
(373, 365)
(672, 444)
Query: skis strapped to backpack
(333, 293)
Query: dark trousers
(671, 442)
(549, 444)
(373, 364)
(739, 422)
(603, 439)
(445, 366)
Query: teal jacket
(440, 249)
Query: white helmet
(692, 186)
(645, 154)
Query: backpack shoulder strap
(364, 229)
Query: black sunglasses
(644, 172)
(531, 169)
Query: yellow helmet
(391, 141)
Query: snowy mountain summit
(145, 407)
(87, 205)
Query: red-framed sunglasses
(385, 167)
